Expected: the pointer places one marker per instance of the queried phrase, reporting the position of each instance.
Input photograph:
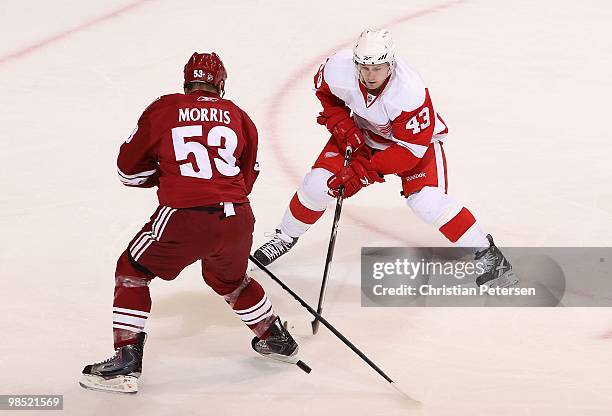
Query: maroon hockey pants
(172, 240)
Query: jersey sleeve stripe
(137, 181)
(144, 174)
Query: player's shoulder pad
(407, 91)
(162, 101)
(229, 104)
(339, 71)
(235, 107)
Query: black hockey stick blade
(315, 326)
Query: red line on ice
(276, 106)
(64, 34)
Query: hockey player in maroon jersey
(380, 107)
(200, 150)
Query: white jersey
(402, 113)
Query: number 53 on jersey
(184, 145)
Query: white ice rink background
(525, 89)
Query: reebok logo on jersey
(330, 154)
(415, 176)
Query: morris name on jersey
(204, 114)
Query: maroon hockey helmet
(207, 68)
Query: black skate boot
(276, 247)
(498, 271)
(279, 345)
(118, 374)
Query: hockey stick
(331, 246)
(331, 328)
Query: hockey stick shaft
(331, 246)
(322, 320)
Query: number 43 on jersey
(419, 122)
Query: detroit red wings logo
(385, 129)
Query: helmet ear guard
(206, 68)
(374, 47)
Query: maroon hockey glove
(359, 173)
(344, 130)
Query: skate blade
(507, 280)
(289, 359)
(118, 384)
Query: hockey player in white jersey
(380, 107)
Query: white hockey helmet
(374, 47)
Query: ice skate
(118, 374)
(279, 345)
(276, 247)
(498, 271)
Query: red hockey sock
(250, 303)
(132, 302)
(302, 213)
(458, 225)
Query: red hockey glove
(359, 173)
(344, 130)
(347, 134)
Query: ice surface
(525, 89)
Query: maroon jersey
(199, 149)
